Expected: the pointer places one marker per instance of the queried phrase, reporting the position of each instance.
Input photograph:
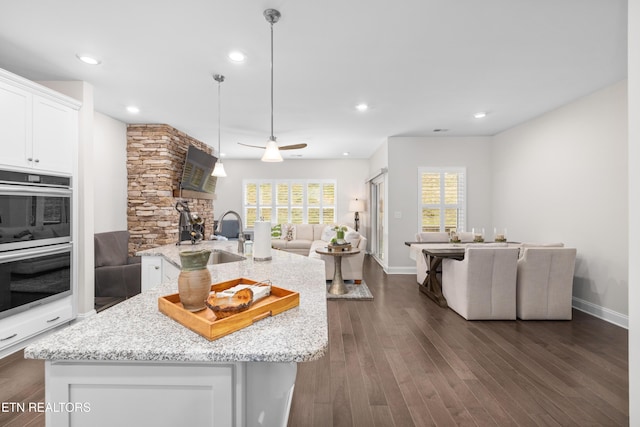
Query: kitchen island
(132, 365)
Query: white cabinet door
(151, 275)
(15, 125)
(169, 271)
(54, 133)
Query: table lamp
(356, 206)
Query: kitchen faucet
(240, 236)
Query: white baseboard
(400, 270)
(600, 312)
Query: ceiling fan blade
(292, 147)
(253, 146)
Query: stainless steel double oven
(35, 239)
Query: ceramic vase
(194, 280)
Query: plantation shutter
(442, 199)
(294, 201)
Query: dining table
(432, 286)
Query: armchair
(483, 284)
(116, 274)
(545, 283)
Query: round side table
(337, 284)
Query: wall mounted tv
(196, 175)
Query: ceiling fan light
(218, 170)
(272, 152)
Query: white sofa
(303, 236)
(306, 238)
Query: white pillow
(328, 233)
(352, 237)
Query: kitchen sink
(219, 256)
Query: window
(295, 201)
(442, 204)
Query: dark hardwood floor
(21, 382)
(400, 360)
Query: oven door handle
(23, 190)
(30, 253)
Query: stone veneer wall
(155, 158)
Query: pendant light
(272, 151)
(218, 169)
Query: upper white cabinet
(54, 132)
(38, 126)
(15, 124)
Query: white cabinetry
(54, 133)
(38, 132)
(38, 126)
(167, 394)
(15, 124)
(16, 330)
(156, 270)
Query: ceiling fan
(272, 150)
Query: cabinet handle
(53, 320)
(30, 159)
(9, 337)
(157, 267)
(37, 160)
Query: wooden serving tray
(204, 322)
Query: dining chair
(483, 284)
(422, 267)
(545, 283)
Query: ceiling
(420, 65)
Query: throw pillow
(328, 233)
(289, 231)
(352, 237)
(276, 231)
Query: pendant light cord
(272, 137)
(219, 113)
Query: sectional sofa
(304, 239)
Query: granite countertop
(135, 330)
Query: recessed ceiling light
(362, 107)
(346, 153)
(133, 109)
(88, 59)
(480, 115)
(237, 56)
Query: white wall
(379, 160)
(110, 174)
(563, 177)
(634, 212)
(406, 155)
(350, 175)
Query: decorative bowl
(225, 306)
